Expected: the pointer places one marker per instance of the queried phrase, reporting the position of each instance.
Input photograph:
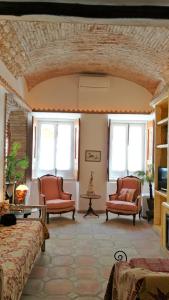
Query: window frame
(68, 174)
(128, 123)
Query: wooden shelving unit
(162, 146)
(161, 193)
(161, 159)
(163, 122)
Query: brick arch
(40, 50)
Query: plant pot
(150, 203)
(10, 191)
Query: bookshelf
(161, 159)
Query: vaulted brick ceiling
(40, 48)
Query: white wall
(64, 93)
(93, 137)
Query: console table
(90, 209)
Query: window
(127, 149)
(54, 148)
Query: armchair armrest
(42, 199)
(113, 196)
(66, 196)
(138, 202)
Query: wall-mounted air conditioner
(94, 81)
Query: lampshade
(22, 187)
(21, 192)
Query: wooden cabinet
(161, 154)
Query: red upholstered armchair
(127, 200)
(52, 195)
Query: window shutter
(108, 150)
(150, 143)
(76, 149)
(29, 145)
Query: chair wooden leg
(47, 218)
(107, 215)
(134, 219)
(43, 246)
(73, 215)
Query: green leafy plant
(147, 176)
(15, 167)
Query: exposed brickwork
(18, 130)
(39, 50)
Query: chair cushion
(123, 194)
(126, 194)
(129, 183)
(59, 203)
(118, 205)
(130, 194)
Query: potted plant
(148, 176)
(15, 169)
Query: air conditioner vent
(94, 81)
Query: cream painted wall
(61, 92)
(64, 93)
(2, 115)
(93, 137)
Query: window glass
(63, 148)
(46, 147)
(55, 148)
(127, 149)
(118, 145)
(135, 148)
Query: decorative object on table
(93, 155)
(8, 219)
(15, 170)
(20, 193)
(4, 207)
(90, 190)
(148, 176)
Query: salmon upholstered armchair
(52, 195)
(127, 199)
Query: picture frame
(93, 155)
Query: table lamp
(21, 192)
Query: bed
(20, 245)
(139, 279)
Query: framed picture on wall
(92, 155)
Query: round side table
(90, 209)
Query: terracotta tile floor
(79, 255)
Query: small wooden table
(22, 212)
(90, 209)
